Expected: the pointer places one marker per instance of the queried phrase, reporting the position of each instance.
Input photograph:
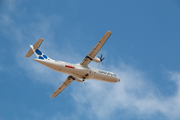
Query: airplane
(77, 72)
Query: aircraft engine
(96, 59)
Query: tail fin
(35, 46)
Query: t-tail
(35, 49)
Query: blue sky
(143, 51)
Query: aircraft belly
(83, 73)
(105, 78)
(67, 71)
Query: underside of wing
(63, 86)
(96, 49)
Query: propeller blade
(102, 58)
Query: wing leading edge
(67, 82)
(96, 49)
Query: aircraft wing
(96, 49)
(63, 86)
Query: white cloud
(59, 115)
(9, 5)
(6, 19)
(134, 93)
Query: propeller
(101, 57)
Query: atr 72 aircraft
(77, 72)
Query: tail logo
(38, 52)
(41, 55)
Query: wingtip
(52, 96)
(109, 31)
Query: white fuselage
(79, 71)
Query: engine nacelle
(96, 59)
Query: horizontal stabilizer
(38, 43)
(36, 46)
(30, 52)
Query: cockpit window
(115, 75)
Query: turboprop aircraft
(77, 72)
